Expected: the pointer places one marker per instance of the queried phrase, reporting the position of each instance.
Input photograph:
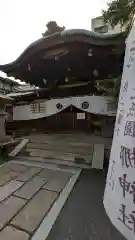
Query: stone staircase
(63, 149)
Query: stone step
(73, 157)
(53, 137)
(71, 142)
(55, 162)
(62, 147)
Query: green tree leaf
(120, 12)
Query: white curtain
(91, 104)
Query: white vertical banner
(119, 197)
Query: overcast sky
(23, 21)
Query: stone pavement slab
(9, 208)
(30, 188)
(32, 214)
(4, 169)
(46, 173)
(10, 233)
(8, 189)
(24, 177)
(17, 167)
(58, 181)
(4, 178)
(24, 203)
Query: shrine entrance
(71, 119)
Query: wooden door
(65, 121)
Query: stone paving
(27, 193)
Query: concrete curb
(49, 220)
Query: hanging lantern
(89, 52)
(44, 81)
(29, 67)
(56, 58)
(66, 79)
(95, 73)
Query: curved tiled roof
(90, 33)
(107, 58)
(65, 36)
